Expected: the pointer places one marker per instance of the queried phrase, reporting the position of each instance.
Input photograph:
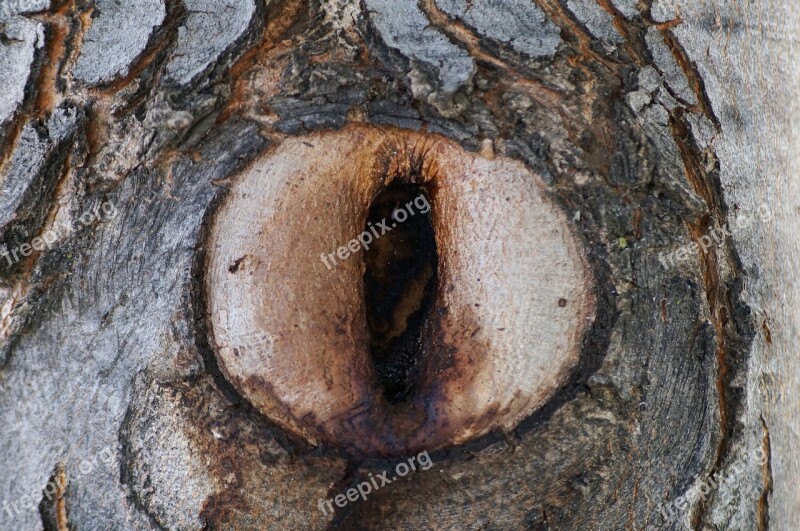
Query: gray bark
(653, 124)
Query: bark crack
(718, 293)
(762, 510)
(456, 30)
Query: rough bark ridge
(654, 124)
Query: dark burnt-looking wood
(651, 123)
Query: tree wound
(465, 333)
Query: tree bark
(662, 131)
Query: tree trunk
(173, 355)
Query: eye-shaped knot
(303, 257)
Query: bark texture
(654, 125)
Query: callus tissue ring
(513, 298)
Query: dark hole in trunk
(399, 285)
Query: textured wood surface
(652, 126)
